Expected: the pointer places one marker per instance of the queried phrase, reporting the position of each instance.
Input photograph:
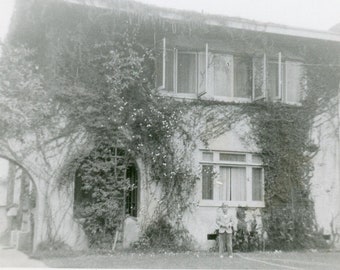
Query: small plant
(244, 239)
(53, 248)
(160, 235)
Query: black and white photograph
(170, 134)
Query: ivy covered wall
(97, 68)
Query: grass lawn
(194, 260)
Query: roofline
(278, 29)
(214, 20)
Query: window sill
(203, 97)
(212, 203)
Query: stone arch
(21, 204)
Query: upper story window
(278, 79)
(235, 178)
(228, 77)
(193, 73)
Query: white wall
(325, 182)
(3, 198)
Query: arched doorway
(131, 194)
(106, 192)
(17, 205)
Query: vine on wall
(101, 77)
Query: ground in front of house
(203, 260)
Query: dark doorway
(132, 195)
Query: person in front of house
(226, 223)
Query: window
(242, 76)
(223, 76)
(207, 182)
(221, 68)
(232, 177)
(259, 78)
(186, 72)
(196, 73)
(293, 87)
(232, 184)
(257, 184)
(274, 79)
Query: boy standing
(225, 221)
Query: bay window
(236, 178)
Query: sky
(312, 14)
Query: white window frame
(176, 54)
(285, 90)
(216, 163)
(206, 93)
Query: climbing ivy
(99, 74)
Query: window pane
(169, 70)
(186, 73)
(223, 66)
(207, 182)
(273, 80)
(258, 77)
(242, 77)
(201, 73)
(238, 181)
(159, 70)
(232, 157)
(257, 184)
(223, 185)
(207, 156)
(293, 78)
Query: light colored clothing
(223, 239)
(225, 222)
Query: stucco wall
(3, 197)
(325, 182)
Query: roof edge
(209, 19)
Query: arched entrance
(17, 205)
(106, 192)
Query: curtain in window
(207, 182)
(223, 185)
(257, 184)
(232, 184)
(293, 81)
(186, 73)
(238, 184)
(222, 78)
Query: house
(217, 60)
